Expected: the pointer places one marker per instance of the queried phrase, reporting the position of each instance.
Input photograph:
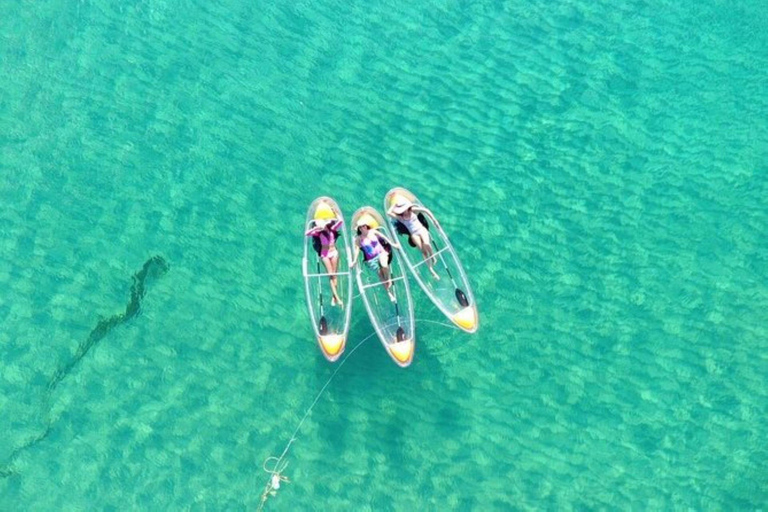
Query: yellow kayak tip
(466, 319)
(324, 211)
(332, 345)
(402, 351)
(397, 198)
(368, 220)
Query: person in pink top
(326, 231)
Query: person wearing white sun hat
(407, 213)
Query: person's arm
(428, 212)
(355, 253)
(418, 209)
(382, 236)
(391, 213)
(312, 231)
(337, 225)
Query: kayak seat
(423, 219)
(387, 248)
(316, 245)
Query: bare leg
(334, 279)
(331, 265)
(386, 276)
(429, 254)
(422, 243)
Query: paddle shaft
(445, 265)
(460, 295)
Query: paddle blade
(400, 334)
(462, 298)
(323, 326)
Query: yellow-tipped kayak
(330, 322)
(450, 290)
(392, 319)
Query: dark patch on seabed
(153, 268)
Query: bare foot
(391, 295)
(434, 274)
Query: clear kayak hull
(329, 322)
(450, 291)
(392, 320)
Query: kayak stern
(466, 319)
(402, 351)
(332, 345)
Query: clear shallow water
(600, 167)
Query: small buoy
(275, 481)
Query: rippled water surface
(600, 168)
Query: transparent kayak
(392, 319)
(330, 322)
(451, 293)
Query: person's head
(362, 228)
(403, 207)
(324, 223)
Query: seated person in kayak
(370, 242)
(407, 214)
(326, 231)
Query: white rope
(438, 323)
(275, 474)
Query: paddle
(460, 295)
(400, 333)
(462, 298)
(323, 322)
(402, 230)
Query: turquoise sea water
(600, 167)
